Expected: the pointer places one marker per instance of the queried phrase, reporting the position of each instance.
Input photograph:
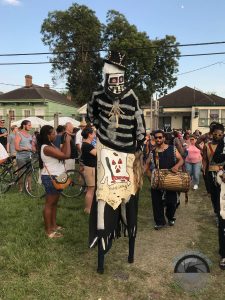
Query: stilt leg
(131, 250)
(101, 256)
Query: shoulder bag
(60, 182)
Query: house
(82, 112)
(34, 100)
(186, 108)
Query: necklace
(163, 148)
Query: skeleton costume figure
(115, 112)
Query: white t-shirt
(79, 138)
(3, 152)
(55, 167)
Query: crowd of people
(113, 163)
(59, 151)
(194, 153)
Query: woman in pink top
(193, 162)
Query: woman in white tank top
(51, 161)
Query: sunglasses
(158, 137)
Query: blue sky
(191, 21)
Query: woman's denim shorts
(49, 187)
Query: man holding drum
(164, 157)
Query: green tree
(75, 37)
(151, 64)
(69, 34)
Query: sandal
(59, 228)
(222, 264)
(54, 235)
(87, 211)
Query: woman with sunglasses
(193, 161)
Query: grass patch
(34, 267)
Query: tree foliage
(151, 64)
(69, 34)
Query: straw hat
(83, 124)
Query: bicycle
(75, 189)
(33, 187)
(78, 185)
(10, 176)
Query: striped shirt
(121, 131)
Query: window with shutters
(203, 120)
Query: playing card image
(115, 167)
(115, 179)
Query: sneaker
(158, 227)
(195, 187)
(222, 264)
(171, 222)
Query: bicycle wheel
(35, 189)
(78, 185)
(6, 180)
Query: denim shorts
(49, 187)
(22, 161)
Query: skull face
(113, 80)
(115, 83)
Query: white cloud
(12, 2)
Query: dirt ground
(157, 251)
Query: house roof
(188, 97)
(83, 109)
(35, 92)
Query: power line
(106, 50)
(60, 62)
(28, 63)
(201, 68)
(19, 85)
(201, 54)
(179, 74)
(11, 84)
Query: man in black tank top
(216, 182)
(164, 157)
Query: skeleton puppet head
(113, 73)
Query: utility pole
(156, 113)
(151, 127)
(8, 122)
(56, 120)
